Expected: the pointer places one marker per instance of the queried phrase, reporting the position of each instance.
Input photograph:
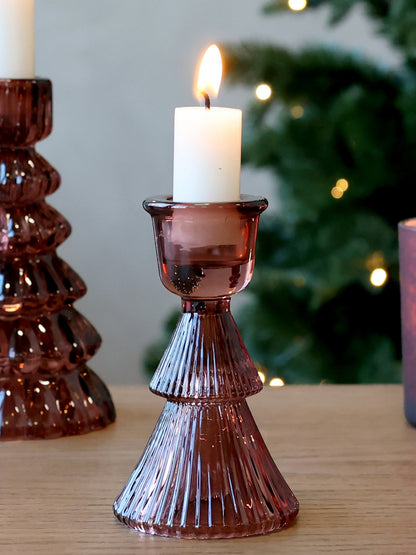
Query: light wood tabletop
(346, 451)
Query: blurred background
(120, 68)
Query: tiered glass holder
(206, 471)
(46, 388)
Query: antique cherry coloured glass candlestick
(206, 472)
(46, 388)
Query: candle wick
(207, 100)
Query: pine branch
(395, 19)
(313, 73)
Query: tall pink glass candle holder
(47, 390)
(206, 471)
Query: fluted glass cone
(206, 473)
(206, 358)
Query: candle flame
(209, 74)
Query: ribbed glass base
(206, 473)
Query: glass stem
(206, 306)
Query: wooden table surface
(346, 451)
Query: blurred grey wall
(119, 68)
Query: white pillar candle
(207, 147)
(17, 39)
(207, 155)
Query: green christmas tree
(339, 134)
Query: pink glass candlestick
(407, 248)
(46, 387)
(206, 471)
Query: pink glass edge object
(206, 472)
(46, 388)
(408, 224)
(164, 201)
(407, 256)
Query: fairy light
(263, 91)
(262, 371)
(297, 5)
(340, 187)
(297, 111)
(378, 277)
(276, 382)
(342, 184)
(336, 192)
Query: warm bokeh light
(210, 73)
(262, 376)
(263, 91)
(342, 184)
(297, 5)
(276, 382)
(375, 260)
(336, 192)
(340, 187)
(378, 277)
(297, 111)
